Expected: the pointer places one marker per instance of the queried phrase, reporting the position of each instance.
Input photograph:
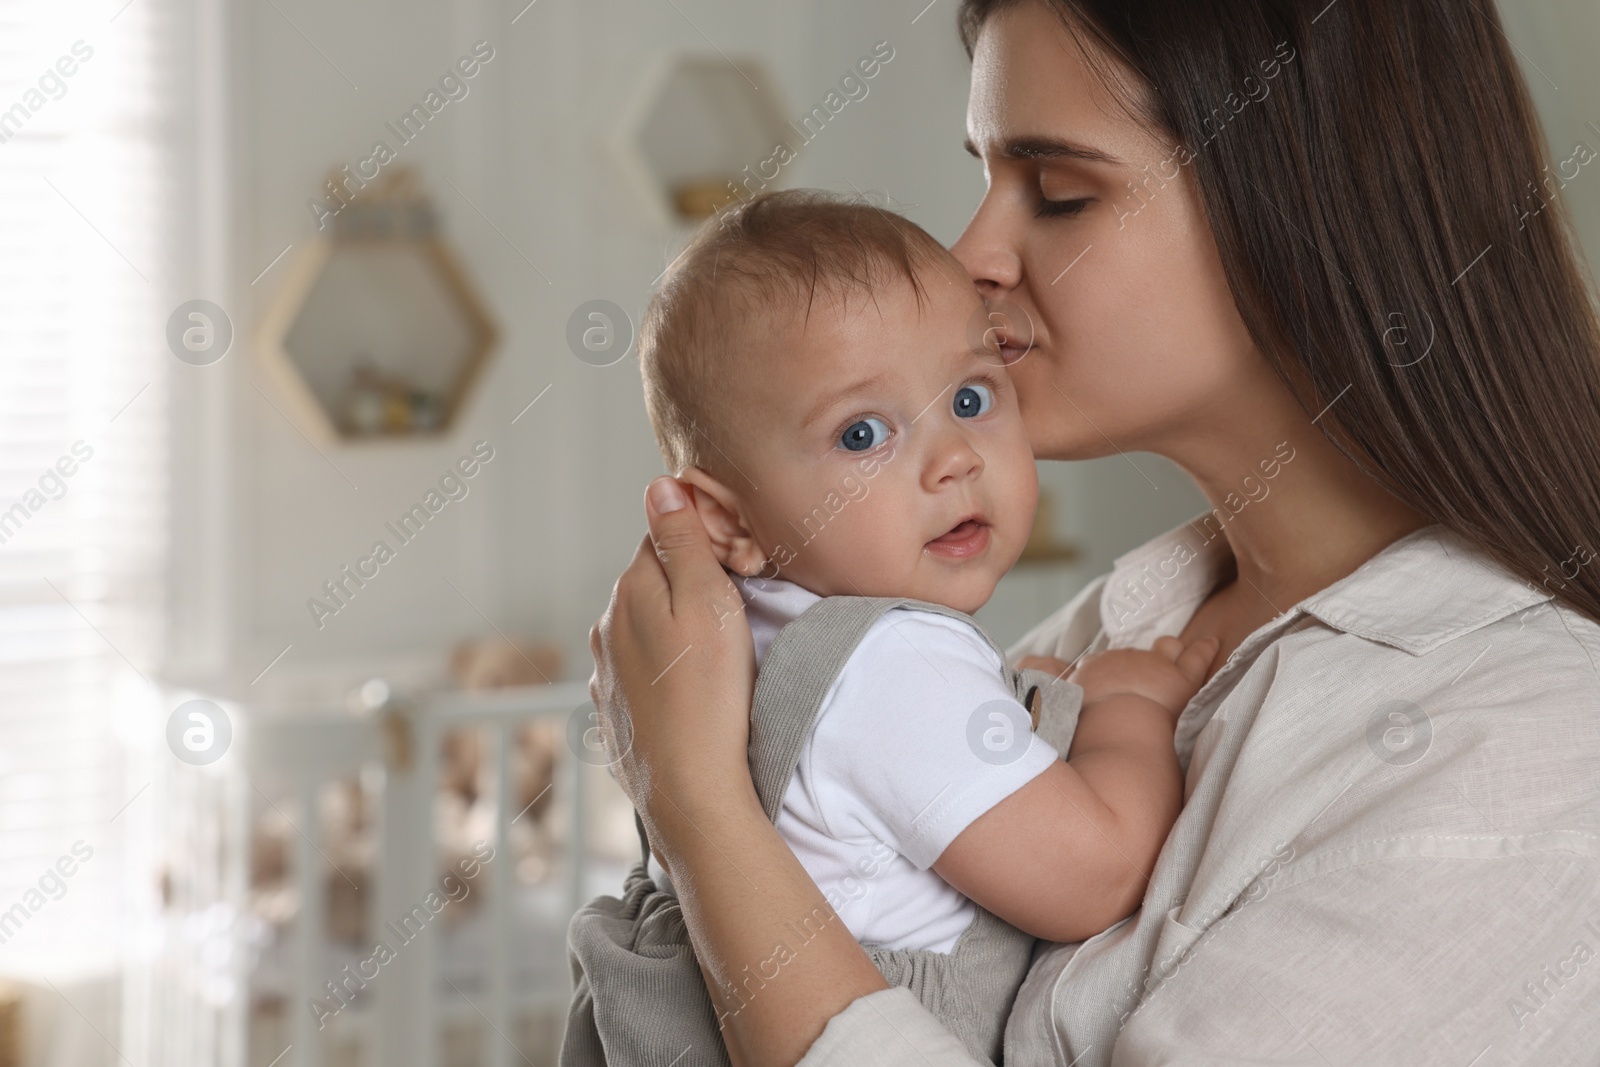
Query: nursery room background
(323, 444)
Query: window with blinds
(83, 427)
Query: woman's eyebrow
(1046, 148)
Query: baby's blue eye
(868, 433)
(973, 400)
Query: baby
(813, 375)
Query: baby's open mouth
(968, 537)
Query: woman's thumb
(1197, 657)
(675, 527)
(665, 495)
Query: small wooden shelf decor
(1043, 545)
(699, 126)
(11, 1035)
(378, 332)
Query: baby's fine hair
(727, 300)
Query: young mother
(1308, 226)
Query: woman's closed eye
(1054, 209)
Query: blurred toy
(378, 402)
(498, 663)
(463, 807)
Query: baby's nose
(954, 460)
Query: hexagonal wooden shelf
(378, 332)
(696, 123)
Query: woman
(1292, 247)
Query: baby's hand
(1169, 674)
(1048, 664)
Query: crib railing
(396, 752)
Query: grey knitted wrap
(639, 999)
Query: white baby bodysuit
(889, 776)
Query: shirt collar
(1415, 594)
(769, 605)
(1425, 589)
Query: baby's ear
(722, 514)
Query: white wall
(1555, 42)
(548, 525)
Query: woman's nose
(987, 251)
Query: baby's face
(887, 456)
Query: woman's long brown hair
(1388, 194)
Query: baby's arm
(1071, 852)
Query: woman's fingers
(1169, 647)
(1048, 664)
(681, 542)
(1195, 660)
(672, 680)
(643, 575)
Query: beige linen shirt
(1389, 851)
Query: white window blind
(82, 465)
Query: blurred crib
(391, 888)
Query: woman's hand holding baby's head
(1169, 674)
(674, 669)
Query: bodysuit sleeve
(920, 736)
